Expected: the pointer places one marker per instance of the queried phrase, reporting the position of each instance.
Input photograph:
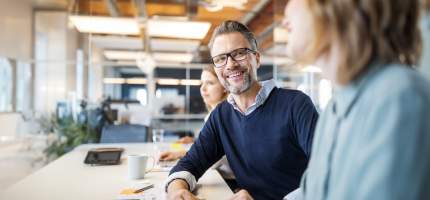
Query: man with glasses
(264, 131)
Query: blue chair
(124, 133)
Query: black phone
(104, 156)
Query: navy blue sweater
(268, 150)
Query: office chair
(124, 133)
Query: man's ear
(257, 59)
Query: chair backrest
(124, 133)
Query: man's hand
(181, 194)
(178, 190)
(241, 195)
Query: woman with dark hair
(373, 139)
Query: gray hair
(230, 26)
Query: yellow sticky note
(177, 147)
(129, 191)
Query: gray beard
(245, 86)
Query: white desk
(69, 178)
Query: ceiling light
(190, 82)
(214, 7)
(106, 25)
(173, 45)
(117, 42)
(238, 4)
(124, 55)
(168, 81)
(137, 81)
(173, 57)
(178, 29)
(142, 56)
(113, 81)
(217, 5)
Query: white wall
(95, 74)
(15, 43)
(55, 53)
(53, 80)
(15, 31)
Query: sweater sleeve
(305, 117)
(205, 151)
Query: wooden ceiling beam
(262, 25)
(112, 7)
(128, 9)
(279, 9)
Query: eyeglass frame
(248, 50)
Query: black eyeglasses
(236, 55)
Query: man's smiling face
(236, 76)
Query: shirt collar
(345, 96)
(262, 95)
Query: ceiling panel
(259, 14)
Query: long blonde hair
(210, 69)
(365, 31)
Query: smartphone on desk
(104, 156)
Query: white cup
(137, 166)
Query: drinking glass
(157, 140)
(157, 136)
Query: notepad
(128, 192)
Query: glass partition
(6, 85)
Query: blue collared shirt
(262, 95)
(373, 140)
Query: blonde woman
(212, 93)
(373, 139)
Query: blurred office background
(71, 69)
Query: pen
(144, 188)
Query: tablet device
(104, 156)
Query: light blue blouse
(373, 140)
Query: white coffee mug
(137, 166)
